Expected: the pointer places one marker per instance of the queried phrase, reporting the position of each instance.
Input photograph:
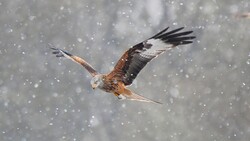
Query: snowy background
(204, 86)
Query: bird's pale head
(97, 81)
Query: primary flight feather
(131, 63)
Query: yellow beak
(94, 86)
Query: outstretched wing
(135, 58)
(61, 53)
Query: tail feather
(132, 96)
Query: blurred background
(204, 86)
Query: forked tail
(132, 96)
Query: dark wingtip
(157, 102)
(58, 52)
(176, 30)
(51, 46)
(187, 42)
(181, 28)
(59, 55)
(164, 30)
(187, 32)
(176, 37)
(191, 37)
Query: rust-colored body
(131, 63)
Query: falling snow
(204, 86)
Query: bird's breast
(111, 86)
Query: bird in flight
(131, 63)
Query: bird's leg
(119, 96)
(116, 94)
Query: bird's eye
(96, 82)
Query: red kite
(131, 63)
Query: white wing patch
(154, 47)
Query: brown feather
(86, 65)
(132, 96)
(131, 62)
(136, 58)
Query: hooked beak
(94, 86)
